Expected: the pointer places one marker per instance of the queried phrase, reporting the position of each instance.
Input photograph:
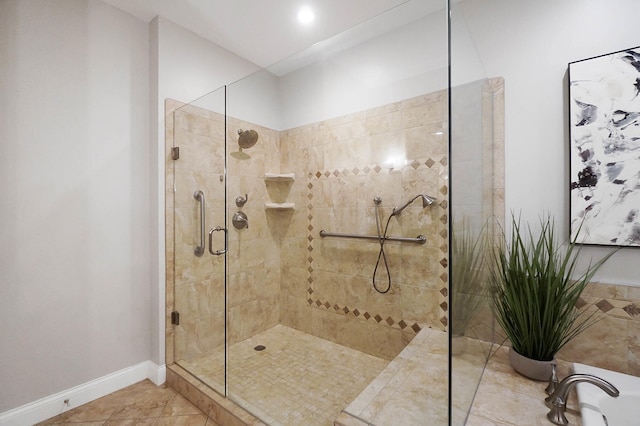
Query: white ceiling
(261, 31)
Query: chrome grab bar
(226, 241)
(199, 195)
(420, 239)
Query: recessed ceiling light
(306, 15)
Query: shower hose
(381, 254)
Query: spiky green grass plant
(534, 296)
(468, 271)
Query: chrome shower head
(426, 201)
(247, 138)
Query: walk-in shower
(297, 283)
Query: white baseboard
(53, 405)
(157, 374)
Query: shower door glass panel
(199, 235)
(477, 210)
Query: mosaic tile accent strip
(622, 309)
(632, 310)
(375, 169)
(361, 314)
(604, 306)
(309, 234)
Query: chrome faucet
(557, 401)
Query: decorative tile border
(375, 169)
(339, 309)
(369, 170)
(633, 310)
(619, 308)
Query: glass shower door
(200, 238)
(477, 210)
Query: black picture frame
(604, 128)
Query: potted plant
(535, 295)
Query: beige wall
(503, 35)
(74, 221)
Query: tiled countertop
(507, 398)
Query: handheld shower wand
(426, 201)
(382, 236)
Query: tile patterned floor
(298, 379)
(143, 403)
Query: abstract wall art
(604, 122)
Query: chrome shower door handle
(199, 250)
(226, 240)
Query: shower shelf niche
(279, 177)
(280, 206)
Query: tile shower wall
(253, 300)
(396, 152)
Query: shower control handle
(240, 220)
(226, 240)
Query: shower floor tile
(298, 379)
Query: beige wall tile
(250, 318)
(296, 313)
(602, 345)
(607, 291)
(633, 352)
(427, 140)
(633, 293)
(420, 304)
(371, 338)
(383, 122)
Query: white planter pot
(531, 368)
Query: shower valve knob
(241, 201)
(240, 220)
